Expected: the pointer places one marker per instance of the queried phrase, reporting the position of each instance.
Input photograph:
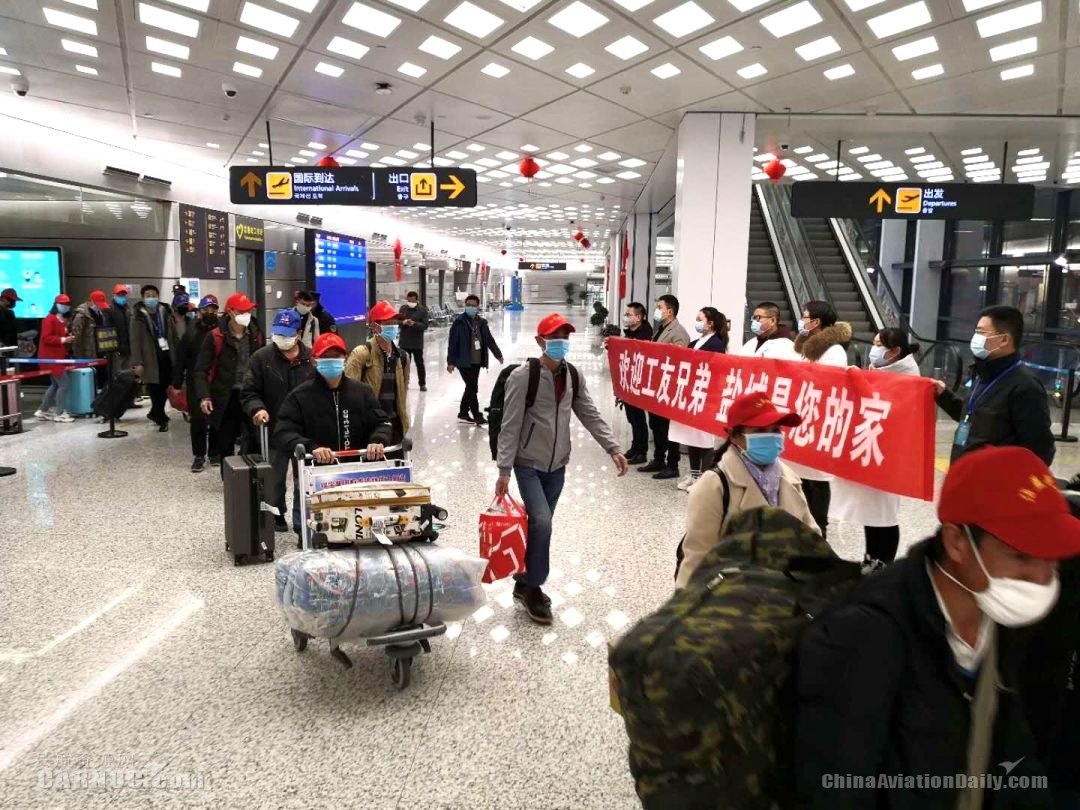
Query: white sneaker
(685, 483)
(63, 417)
(45, 416)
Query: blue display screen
(34, 273)
(341, 275)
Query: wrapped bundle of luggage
(351, 593)
(386, 511)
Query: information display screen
(35, 274)
(340, 270)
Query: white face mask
(877, 356)
(303, 309)
(242, 319)
(1011, 602)
(657, 314)
(286, 344)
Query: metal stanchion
(1070, 392)
(112, 432)
(4, 350)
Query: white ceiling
(622, 111)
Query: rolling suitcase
(80, 392)
(116, 397)
(249, 515)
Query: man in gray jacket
(535, 443)
(665, 463)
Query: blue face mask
(121, 300)
(764, 448)
(755, 328)
(699, 327)
(470, 311)
(557, 348)
(191, 314)
(63, 309)
(330, 367)
(391, 332)
(151, 303)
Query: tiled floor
(128, 641)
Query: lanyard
(979, 394)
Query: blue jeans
(281, 464)
(56, 397)
(540, 493)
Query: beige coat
(366, 363)
(705, 516)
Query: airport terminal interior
(908, 163)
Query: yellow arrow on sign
(455, 187)
(881, 198)
(250, 181)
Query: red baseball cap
(62, 299)
(10, 295)
(757, 411)
(239, 302)
(120, 289)
(97, 297)
(327, 341)
(552, 324)
(1010, 493)
(383, 311)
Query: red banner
(873, 428)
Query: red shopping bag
(178, 397)
(503, 529)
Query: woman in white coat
(712, 328)
(877, 511)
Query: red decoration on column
(528, 168)
(328, 162)
(397, 260)
(622, 269)
(775, 170)
(483, 272)
(585, 243)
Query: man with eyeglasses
(1007, 405)
(770, 339)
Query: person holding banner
(770, 338)
(665, 463)
(636, 327)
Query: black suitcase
(249, 516)
(116, 397)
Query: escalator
(837, 277)
(763, 279)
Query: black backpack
(498, 398)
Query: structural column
(926, 285)
(712, 214)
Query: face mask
(410, 304)
(242, 319)
(804, 330)
(877, 356)
(629, 323)
(391, 333)
(151, 303)
(191, 315)
(1010, 602)
(286, 344)
(470, 311)
(303, 309)
(63, 309)
(209, 318)
(699, 327)
(330, 367)
(755, 328)
(657, 315)
(121, 300)
(557, 348)
(978, 346)
(764, 448)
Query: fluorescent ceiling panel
(316, 145)
(346, 47)
(247, 70)
(307, 153)
(915, 48)
(307, 6)
(90, 4)
(580, 70)
(839, 72)
(927, 72)
(437, 46)
(902, 19)
(752, 71)
(747, 5)
(521, 5)
(1017, 72)
(411, 5)
(627, 48)
(633, 5)
(532, 48)
(77, 47)
(1011, 50)
(632, 163)
(166, 70)
(818, 48)
(89, 71)
(327, 69)
(168, 20)
(276, 23)
(977, 5)
(686, 19)
(1012, 19)
(167, 48)
(719, 48)
(859, 5)
(791, 19)
(409, 69)
(73, 22)
(473, 20)
(371, 20)
(578, 19)
(494, 70)
(257, 48)
(628, 175)
(665, 71)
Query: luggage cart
(402, 644)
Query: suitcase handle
(405, 446)
(264, 441)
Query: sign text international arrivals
(824, 198)
(352, 185)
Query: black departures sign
(824, 198)
(352, 185)
(204, 243)
(544, 266)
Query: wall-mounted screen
(36, 274)
(339, 265)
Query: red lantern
(775, 170)
(585, 243)
(328, 162)
(622, 269)
(528, 168)
(578, 236)
(397, 260)
(503, 251)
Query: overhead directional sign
(352, 185)
(545, 266)
(830, 198)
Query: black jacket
(459, 344)
(187, 352)
(120, 317)
(715, 343)
(643, 332)
(879, 692)
(9, 331)
(323, 318)
(345, 418)
(271, 376)
(1014, 412)
(223, 367)
(412, 337)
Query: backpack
(706, 684)
(219, 343)
(498, 398)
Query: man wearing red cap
(383, 366)
(9, 332)
(119, 315)
(538, 454)
(84, 325)
(916, 675)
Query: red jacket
(53, 331)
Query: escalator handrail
(790, 244)
(850, 249)
(786, 275)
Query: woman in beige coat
(750, 467)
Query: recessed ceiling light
(747, 5)
(487, 163)
(407, 154)
(583, 163)
(257, 152)
(346, 161)
(915, 49)
(791, 19)
(411, 5)
(578, 19)
(976, 5)
(495, 70)
(605, 181)
(306, 6)
(752, 71)
(665, 71)
(859, 5)
(1012, 19)
(370, 147)
(1018, 72)
(839, 72)
(902, 19)
(975, 150)
(506, 156)
(371, 20)
(558, 156)
(1026, 152)
(437, 46)
(915, 150)
(927, 72)
(422, 147)
(859, 150)
(89, 71)
(532, 48)
(529, 148)
(166, 70)
(212, 145)
(307, 153)
(580, 70)
(356, 154)
(632, 163)
(686, 19)
(275, 22)
(923, 159)
(608, 156)
(346, 47)
(633, 5)
(167, 48)
(252, 160)
(73, 22)
(476, 147)
(75, 47)
(393, 161)
(627, 48)
(409, 69)
(719, 48)
(168, 20)
(1011, 50)
(257, 48)
(818, 48)
(247, 70)
(628, 175)
(802, 150)
(327, 69)
(583, 148)
(870, 158)
(473, 20)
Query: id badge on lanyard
(163, 344)
(963, 431)
(476, 343)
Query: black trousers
(417, 356)
(158, 394)
(639, 428)
(232, 428)
(697, 458)
(203, 437)
(470, 402)
(882, 542)
(818, 497)
(666, 452)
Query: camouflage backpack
(705, 684)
